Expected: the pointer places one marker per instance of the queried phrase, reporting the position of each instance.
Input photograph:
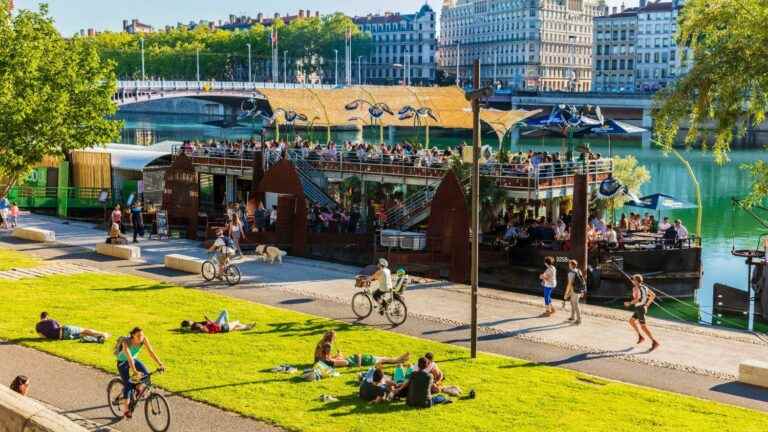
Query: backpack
(579, 284)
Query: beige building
(525, 44)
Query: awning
(123, 158)
(659, 201)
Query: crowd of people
(9, 213)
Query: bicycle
(210, 270)
(391, 304)
(156, 409)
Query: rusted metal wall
(448, 229)
(181, 195)
(291, 224)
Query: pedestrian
(549, 283)
(14, 215)
(5, 208)
(137, 221)
(236, 233)
(642, 297)
(117, 217)
(20, 385)
(575, 290)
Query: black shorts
(639, 314)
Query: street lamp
(197, 62)
(336, 68)
(143, 75)
(285, 67)
(250, 76)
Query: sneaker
(328, 398)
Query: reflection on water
(722, 227)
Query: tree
(727, 86)
(55, 94)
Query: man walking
(575, 290)
(642, 297)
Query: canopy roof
(326, 107)
(136, 159)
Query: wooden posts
(580, 219)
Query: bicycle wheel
(232, 275)
(158, 413)
(396, 311)
(208, 270)
(114, 396)
(362, 305)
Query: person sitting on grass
(418, 388)
(375, 390)
(435, 371)
(356, 360)
(20, 385)
(51, 329)
(221, 325)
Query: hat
(383, 262)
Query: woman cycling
(131, 369)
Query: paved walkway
(693, 359)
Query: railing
(413, 205)
(206, 86)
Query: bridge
(228, 93)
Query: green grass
(231, 370)
(10, 259)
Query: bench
(119, 251)
(754, 372)
(183, 263)
(34, 234)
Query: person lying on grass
(221, 325)
(49, 328)
(339, 360)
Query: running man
(642, 297)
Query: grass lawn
(231, 370)
(10, 259)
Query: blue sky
(72, 15)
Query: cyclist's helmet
(401, 271)
(383, 262)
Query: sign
(161, 222)
(103, 196)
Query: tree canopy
(727, 86)
(55, 94)
(308, 42)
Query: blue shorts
(71, 332)
(548, 296)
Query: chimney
(301, 13)
(126, 23)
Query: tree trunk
(7, 187)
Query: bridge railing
(205, 86)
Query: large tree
(55, 94)
(727, 87)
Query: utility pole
(336, 68)
(197, 61)
(474, 96)
(143, 75)
(285, 67)
(250, 77)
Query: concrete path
(693, 359)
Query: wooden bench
(119, 251)
(34, 234)
(183, 263)
(754, 372)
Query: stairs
(314, 183)
(415, 209)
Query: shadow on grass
(309, 327)
(736, 388)
(294, 379)
(359, 406)
(136, 288)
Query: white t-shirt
(664, 226)
(682, 232)
(550, 278)
(385, 281)
(610, 236)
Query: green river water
(721, 227)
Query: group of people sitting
(419, 384)
(325, 219)
(516, 230)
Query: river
(722, 227)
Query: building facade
(134, 26)
(614, 54)
(404, 47)
(524, 44)
(646, 62)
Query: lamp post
(336, 68)
(197, 63)
(285, 68)
(250, 76)
(474, 97)
(143, 75)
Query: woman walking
(236, 232)
(549, 283)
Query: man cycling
(224, 248)
(131, 369)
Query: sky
(73, 15)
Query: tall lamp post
(285, 67)
(143, 75)
(250, 76)
(197, 63)
(336, 68)
(474, 97)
